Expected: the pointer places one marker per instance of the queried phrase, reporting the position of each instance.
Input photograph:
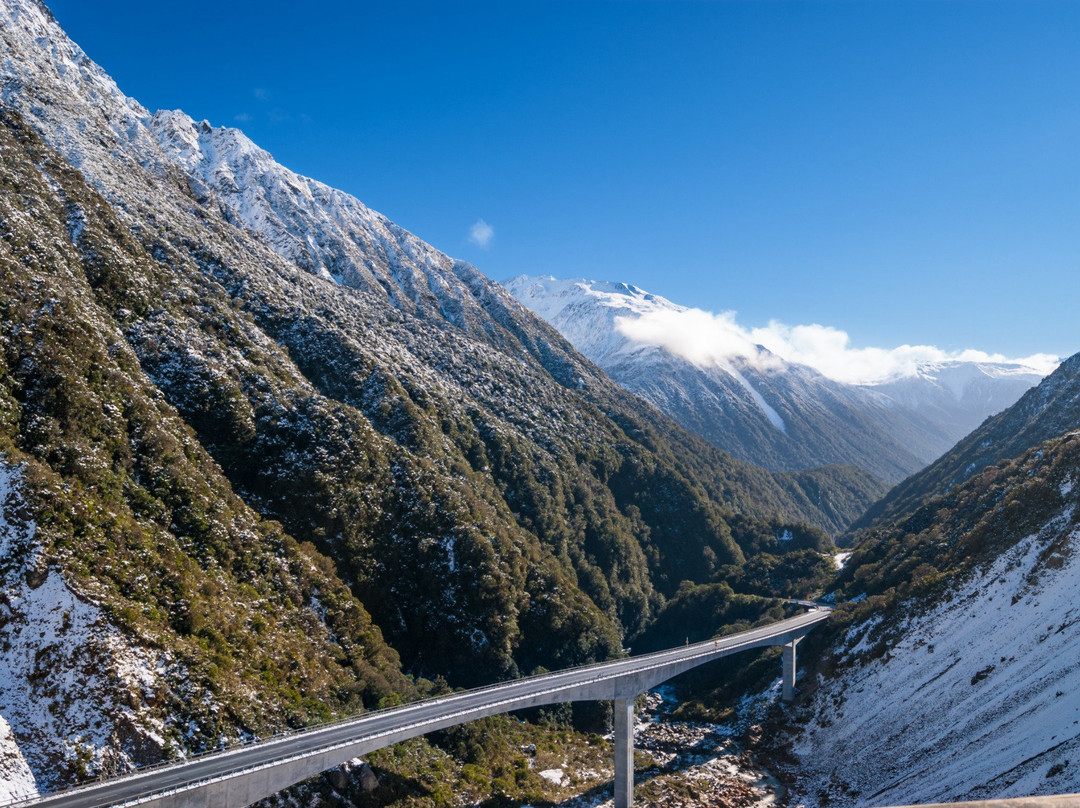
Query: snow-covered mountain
(957, 678)
(959, 395)
(767, 410)
(276, 451)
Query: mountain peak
(718, 381)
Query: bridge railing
(244, 743)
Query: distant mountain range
(772, 412)
(1047, 411)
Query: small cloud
(241, 117)
(481, 233)
(261, 93)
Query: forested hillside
(268, 488)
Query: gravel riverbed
(693, 765)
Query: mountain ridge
(752, 403)
(383, 484)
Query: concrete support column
(624, 752)
(789, 670)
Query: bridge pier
(789, 670)
(624, 752)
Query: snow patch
(553, 776)
(74, 689)
(16, 779)
(770, 413)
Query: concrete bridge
(238, 777)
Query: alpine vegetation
(270, 459)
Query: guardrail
(560, 681)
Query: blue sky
(908, 172)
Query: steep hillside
(476, 481)
(956, 678)
(136, 585)
(1044, 412)
(217, 443)
(778, 414)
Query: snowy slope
(16, 779)
(976, 697)
(957, 395)
(951, 674)
(75, 693)
(767, 410)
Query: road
(304, 754)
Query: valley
(269, 460)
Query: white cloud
(711, 339)
(481, 233)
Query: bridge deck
(238, 777)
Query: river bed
(694, 765)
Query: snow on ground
(770, 413)
(16, 779)
(74, 690)
(979, 698)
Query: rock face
(775, 413)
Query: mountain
(269, 458)
(948, 671)
(953, 676)
(957, 396)
(775, 413)
(1044, 412)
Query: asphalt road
(462, 706)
